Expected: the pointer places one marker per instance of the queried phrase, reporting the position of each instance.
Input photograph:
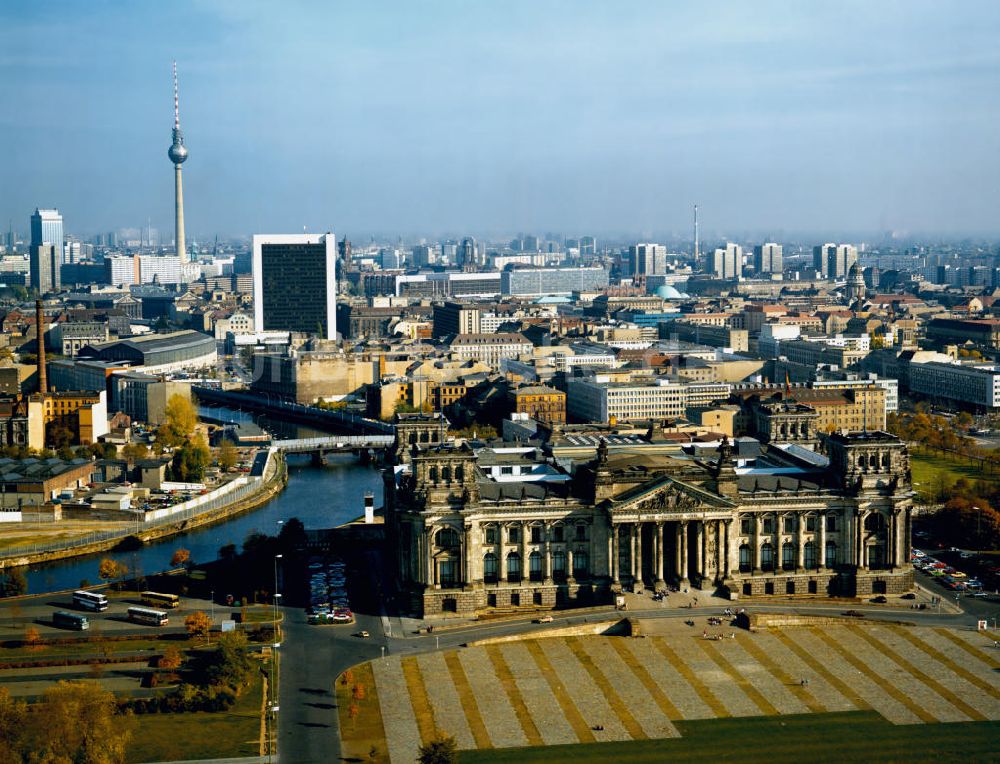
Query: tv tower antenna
(177, 101)
(696, 235)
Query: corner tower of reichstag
(508, 526)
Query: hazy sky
(488, 117)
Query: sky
(486, 118)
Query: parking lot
(328, 598)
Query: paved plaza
(558, 690)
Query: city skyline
(479, 119)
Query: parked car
(853, 614)
(544, 619)
(879, 599)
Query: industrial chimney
(43, 383)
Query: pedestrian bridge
(332, 443)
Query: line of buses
(152, 615)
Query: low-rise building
(978, 386)
(542, 403)
(490, 348)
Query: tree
(110, 569)
(32, 639)
(227, 553)
(79, 722)
(180, 419)
(441, 750)
(198, 624)
(12, 716)
(233, 665)
(190, 461)
(227, 455)
(180, 557)
(58, 435)
(292, 535)
(13, 583)
(170, 660)
(135, 452)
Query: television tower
(178, 153)
(696, 236)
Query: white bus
(90, 601)
(147, 616)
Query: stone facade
(464, 542)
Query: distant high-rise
(45, 253)
(47, 228)
(588, 245)
(647, 259)
(821, 258)
(295, 283)
(845, 256)
(767, 258)
(727, 263)
(178, 154)
(468, 251)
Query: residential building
(727, 263)
(767, 258)
(490, 348)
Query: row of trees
(76, 723)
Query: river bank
(269, 488)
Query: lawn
(362, 731)
(94, 647)
(200, 735)
(853, 736)
(927, 468)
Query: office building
(47, 228)
(295, 283)
(647, 259)
(537, 282)
(455, 318)
(767, 258)
(46, 250)
(727, 263)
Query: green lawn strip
(200, 735)
(848, 736)
(926, 468)
(366, 730)
(94, 647)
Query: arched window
(767, 557)
(446, 538)
(513, 567)
(535, 566)
(885, 461)
(446, 474)
(559, 565)
(432, 474)
(831, 554)
(746, 564)
(809, 555)
(581, 565)
(459, 472)
(863, 462)
(875, 522)
(490, 568)
(788, 556)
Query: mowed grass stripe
(659, 696)
(422, 709)
(714, 651)
(506, 678)
(930, 681)
(883, 684)
(937, 655)
(569, 709)
(468, 698)
(970, 649)
(832, 679)
(761, 656)
(706, 695)
(620, 708)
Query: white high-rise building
(728, 263)
(767, 258)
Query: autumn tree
(170, 660)
(13, 583)
(180, 419)
(110, 569)
(79, 722)
(32, 638)
(227, 455)
(135, 452)
(191, 460)
(180, 557)
(12, 716)
(198, 624)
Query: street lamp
(274, 660)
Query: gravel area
(918, 692)
(538, 697)
(448, 713)
(588, 698)
(632, 692)
(718, 681)
(681, 694)
(494, 705)
(402, 736)
(870, 691)
(965, 691)
(824, 692)
(762, 679)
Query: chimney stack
(43, 384)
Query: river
(321, 497)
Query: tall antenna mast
(696, 235)
(177, 102)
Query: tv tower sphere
(178, 151)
